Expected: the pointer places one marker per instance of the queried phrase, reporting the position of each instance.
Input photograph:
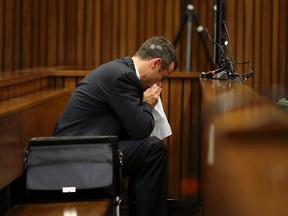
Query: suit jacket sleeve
(126, 101)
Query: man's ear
(156, 62)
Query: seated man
(118, 98)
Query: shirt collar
(137, 71)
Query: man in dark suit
(118, 98)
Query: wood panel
(2, 36)
(257, 34)
(76, 32)
(10, 150)
(88, 33)
(244, 152)
(181, 102)
(24, 82)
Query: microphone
(210, 74)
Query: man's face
(156, 74)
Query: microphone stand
(187, 20)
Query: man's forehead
(169, 70)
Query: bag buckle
(120, 155)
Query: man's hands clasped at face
(151, 95)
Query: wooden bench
(24, 115)
(101, 207)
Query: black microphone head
(203, 75)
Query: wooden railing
(245, 163)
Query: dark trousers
(145, 162)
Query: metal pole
(190, 8)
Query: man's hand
(152, 94)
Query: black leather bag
(68, 168)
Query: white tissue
(162, 127)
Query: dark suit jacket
(108, 101)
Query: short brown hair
(158, 47)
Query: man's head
(156, 60)
(158, 47)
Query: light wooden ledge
(101, 207)
(24, 102)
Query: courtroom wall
(86, 33)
